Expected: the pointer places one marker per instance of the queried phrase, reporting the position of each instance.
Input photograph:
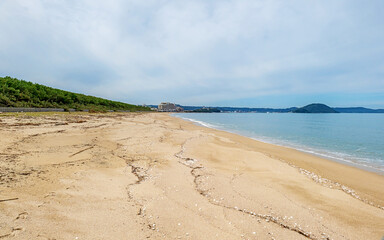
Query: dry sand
(153, 176)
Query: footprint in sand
(22, 215)
(13, 232)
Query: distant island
(23, 94)
(315, 108)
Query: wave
(201, 123)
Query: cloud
(194, 52)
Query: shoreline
(156, 176)
(315, 166)
(345, 162)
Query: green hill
(206, 110)
(20, 93)
(315, 108)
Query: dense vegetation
(19, 93)
(206, 110)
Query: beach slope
(154, 176)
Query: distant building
(169, 107)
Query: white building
(169, 107)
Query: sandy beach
(154, 176)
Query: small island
(315, 108)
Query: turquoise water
(356, 139)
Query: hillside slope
(315, 108)
(20, 93)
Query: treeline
(20, 93)
(206, 110)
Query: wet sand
(153, 176)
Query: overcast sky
(256, 53)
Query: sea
(355, 139)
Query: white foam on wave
(365, 163)
(201, 123)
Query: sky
(245, 53)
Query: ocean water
(353, 139)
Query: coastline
(307, 150)
(156, 176)
(331, 169)
(319, 165)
